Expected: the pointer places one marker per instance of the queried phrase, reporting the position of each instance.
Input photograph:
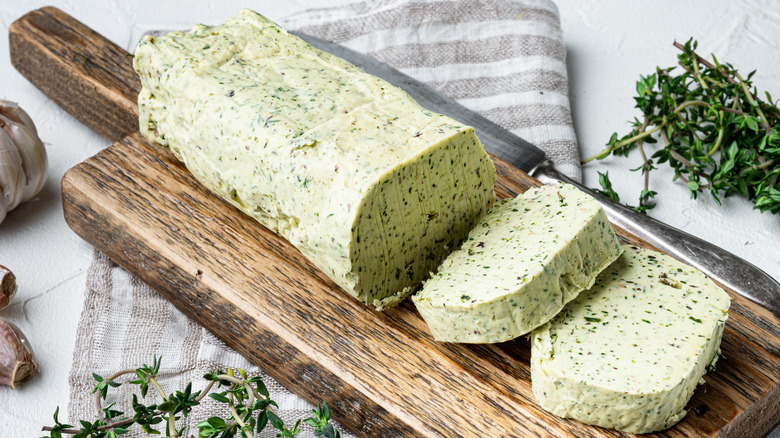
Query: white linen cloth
(502, 58)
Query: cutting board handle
(80, 70)
(93, 79)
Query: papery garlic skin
(13, 111)
(11, 174)
(17, 363)
(23, 159)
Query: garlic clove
(7, 286)
(16, 356)
(11, 174)
(23, 160)
(13, 111)
(33, 154)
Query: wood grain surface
(382, 373)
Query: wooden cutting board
(382, 373)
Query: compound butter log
(382, 373)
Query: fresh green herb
(247, 399)
(715, 132)
(606, 186)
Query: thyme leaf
(714, 131)
(247, 400)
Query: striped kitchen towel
(502, 58)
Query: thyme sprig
(247, 399)
(715, 132)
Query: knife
(724, 267)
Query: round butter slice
(628, 353)
(519, 266)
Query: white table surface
(609, 43)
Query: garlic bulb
(7, 286)
(16, 356)
(23, 161)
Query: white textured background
(609, 43)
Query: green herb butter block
(628, 353)
(367, 184)
(527, 258)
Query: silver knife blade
(726, 268)
(497, 140)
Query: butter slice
(523, 262)
(368, 185)
(628, 353)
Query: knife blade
(724, 267)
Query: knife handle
(722, 266)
